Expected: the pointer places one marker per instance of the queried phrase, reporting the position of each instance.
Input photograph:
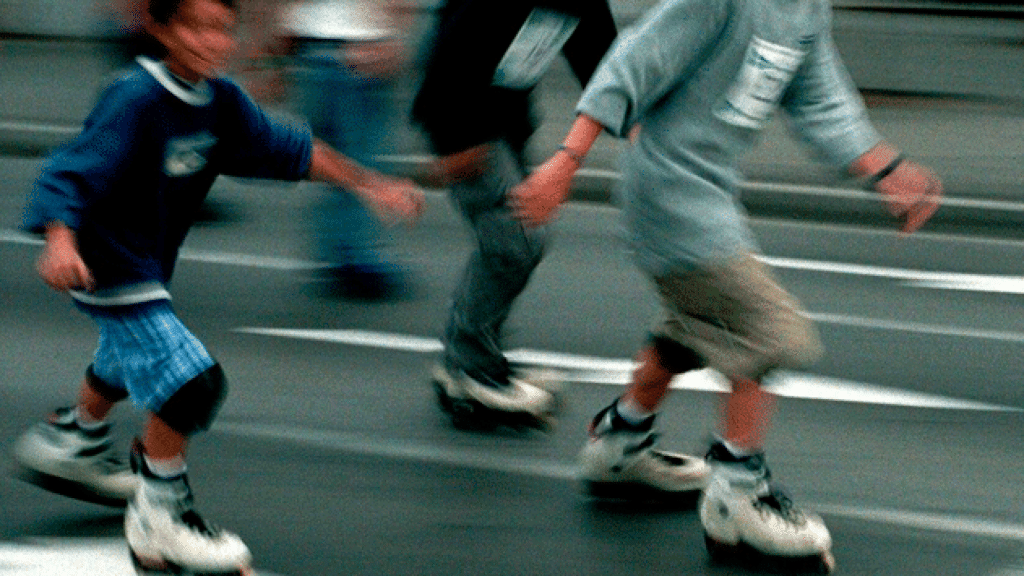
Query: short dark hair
(161, 11)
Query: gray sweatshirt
(701, 78)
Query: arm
(912, 192)
(391, 198)
(537, 198)
(60, 265)
(828, 112)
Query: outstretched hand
(535, 201)
(394, 200)
(912, 193)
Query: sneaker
(743, 513)
(512, 395)
(59, 455)
(167, 536)
(619, 461)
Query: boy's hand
(535, 201)
(912, 193)
(394, 200)
(60, 265)
(461, 166)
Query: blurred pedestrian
(115, 206)
(345, 57)
(699, 79)
(474, 106)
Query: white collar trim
(199, 95)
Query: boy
(698, 79)
(115, 207)
(474, 105)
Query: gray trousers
(498, 270)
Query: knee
(675, 357)
(193, 407)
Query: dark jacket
(459, 105)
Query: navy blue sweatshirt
(130, 185)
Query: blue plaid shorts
(146, 350)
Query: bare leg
(746, 414)
(161, 442)
(650, 381)
(92, 403)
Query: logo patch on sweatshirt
(187, 155)
(766, 71)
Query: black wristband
(889, 169)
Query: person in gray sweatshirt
(692, 83)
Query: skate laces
(195, 522)
(777, 502)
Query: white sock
(85, 420)
(633, 413)
(166, 467)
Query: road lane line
(614, 371)
(918, 278)
(482, 459)
(917, 327)
(69, 556)
(991, 283)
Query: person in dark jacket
(475, 107)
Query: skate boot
(60, 456)
(166, 536)
(748, 521)
(619, 461)
(484, 403)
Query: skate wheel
(151, 568)
(144, 567)
(442, 398)
(828, 562)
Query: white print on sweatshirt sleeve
(534, 48)
(766, 71)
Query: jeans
(498, 270)
(349, 113)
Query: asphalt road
(330, 456)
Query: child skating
(115, 206)
(694, 81)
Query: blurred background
(331, 456)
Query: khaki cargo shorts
(737, 318)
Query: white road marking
(614, 371)
(916, 327)
(929, 521)
(917, 278)
(482, 459)
(68, 556)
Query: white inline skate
(620, 461)
(166, 536)
(473, 404)
(60, 456)
(748, 521)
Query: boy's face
(199, 38)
